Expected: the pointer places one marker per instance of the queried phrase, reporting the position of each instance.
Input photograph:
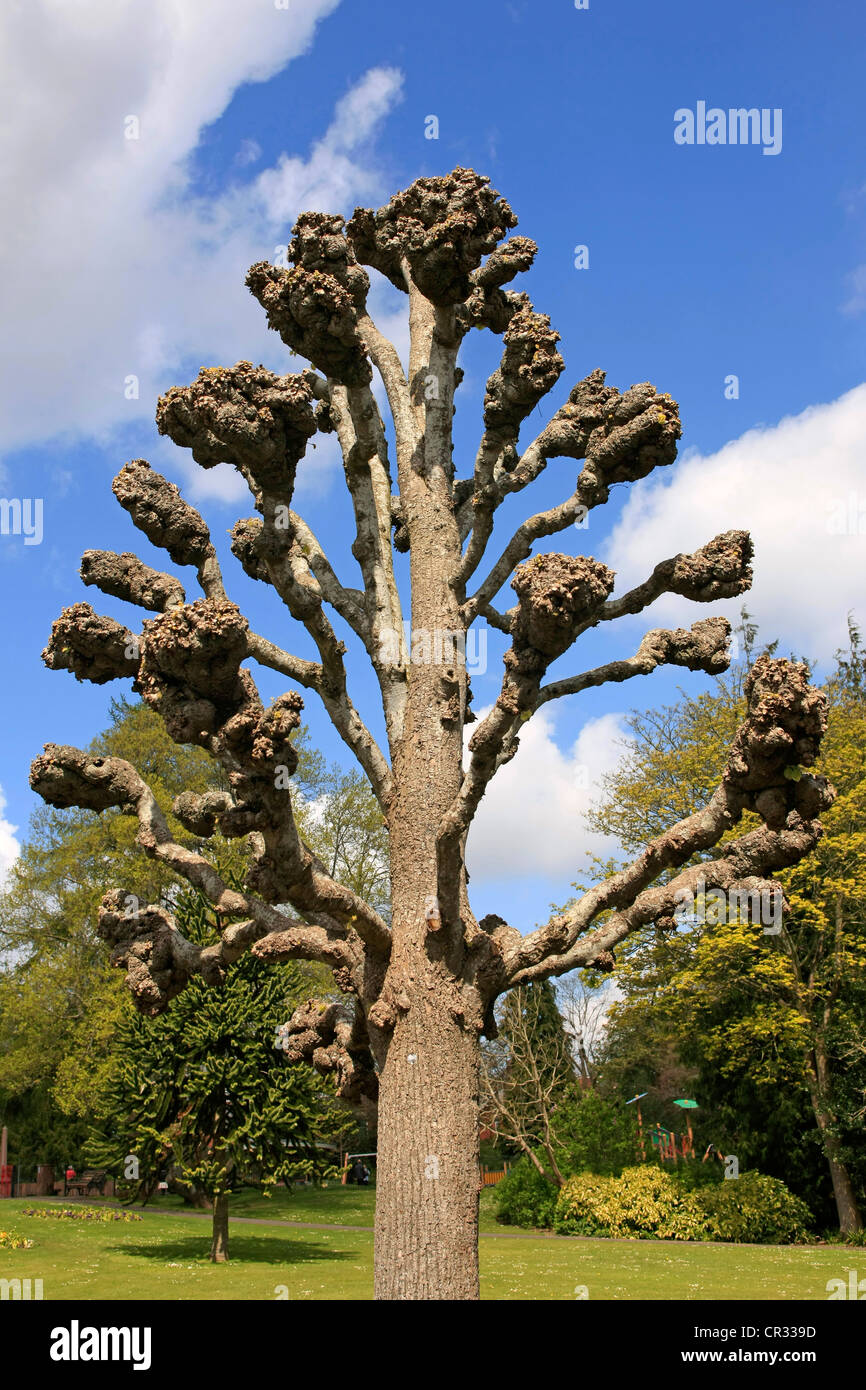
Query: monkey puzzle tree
(421, 988)
(205, 1090)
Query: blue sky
(125, 257)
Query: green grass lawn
(333, 1204)
(342, 1206)
(165, 1257)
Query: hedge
(648, 1203)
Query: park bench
(87, 1183)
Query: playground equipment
(350, 1160)
(688, 1105)
(636, 1100)
(669, 1144)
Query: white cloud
(331, 178)
(799, 488)
(856, 282)
(9, 846)
(531, 821)
(250, 152)
(111, 265)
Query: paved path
(342, 1226)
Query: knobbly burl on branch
(445, 243)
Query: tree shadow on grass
(272, 1250)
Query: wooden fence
(491, 1176)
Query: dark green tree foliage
(39, 1132)
(594, 1133)
(539, 1001)
(204, 1091)
(537, 1045)
(527, 1069)
(60, 1000)
(54, 974)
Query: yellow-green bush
(646, 1203)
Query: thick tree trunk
(219, 1250)
(427, 1176)
(427, 1172)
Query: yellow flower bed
(81, 1214)
(10, 1241)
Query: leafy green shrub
(592, 1133)
(757, 1209)
(837, 1237)
(524, 1197)
(693, 1175)
(648, 1203)
(644, 1201)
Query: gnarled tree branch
(783, 727)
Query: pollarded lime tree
(421, 988)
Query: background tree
(538, 1103)
(61, 1002)
(422, 986)
(528, 1070)
(761, 1021)
(583, 1000)
(204, 1089)
(345, 824)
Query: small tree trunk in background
(821, 1091)
(850, 1216)
(192, 1197)
(850, 1219)
(219, 1250)
(847, 1208)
